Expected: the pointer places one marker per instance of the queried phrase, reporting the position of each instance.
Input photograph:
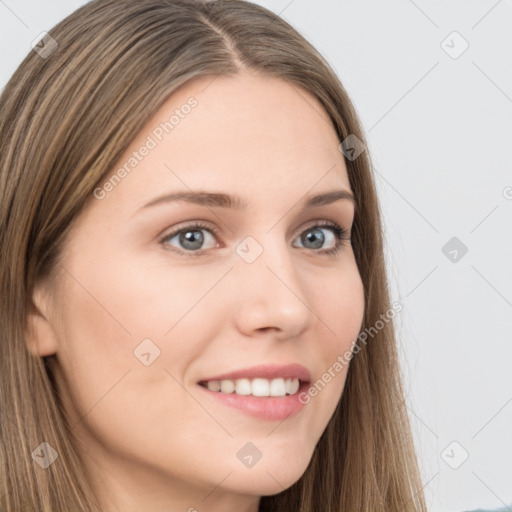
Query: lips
(266, 392)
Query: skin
(150, 438)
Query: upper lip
(266, 371)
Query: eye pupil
(195, 237)
(316, 236)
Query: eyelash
(340, 233)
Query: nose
(270, 295)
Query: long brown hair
(68, 113)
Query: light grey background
(440, 135)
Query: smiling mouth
(259, 387)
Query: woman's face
(146, 305)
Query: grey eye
(190, 239)
(314, 238)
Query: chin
(268, 479)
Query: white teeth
(227, 386)
(292, 385)
(256, 387)
(260, 387)
(277, 387)
(243, 387)
(213, 385)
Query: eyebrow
(223, 200)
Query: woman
(171, 339)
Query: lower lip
(270, 408)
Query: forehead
(246, 133)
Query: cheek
(127, 402)
(340, 309)
(128, 337)
(339, 305)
